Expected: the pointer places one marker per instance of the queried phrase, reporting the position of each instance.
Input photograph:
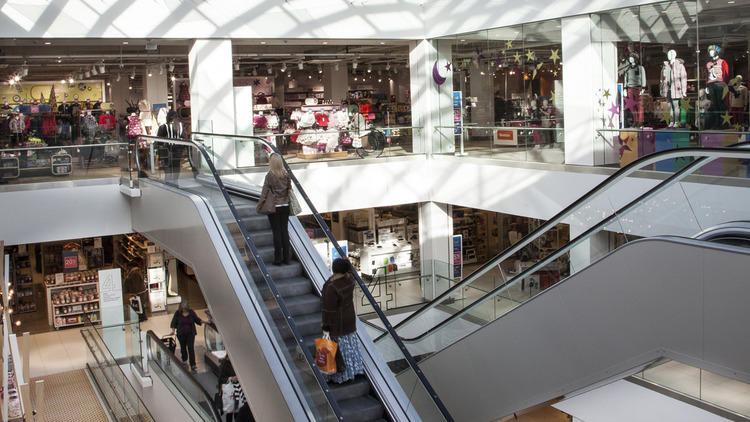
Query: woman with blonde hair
(274, 202)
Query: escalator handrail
(706, 155)
(389, 329)
(176, 363)
(263, 270)
(557, 218)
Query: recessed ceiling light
(325, 42)
(47, 42)
(731, 2)
(463, 40)
(382, 43)
(125, 43)
(262, 42)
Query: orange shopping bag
(325, 355)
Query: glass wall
(673, 74)
(506, 91)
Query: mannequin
(738, 100)
(716, 80)
(634, 81)
(170, 156)
(5, 106)
(75, 119)
(673, 85)
(17, 126)
(98, 104)
(106, 121)
(545, 114)
(90, 125)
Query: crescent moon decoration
(439, 80)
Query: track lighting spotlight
(283, 68)
(320, 69)
(102, 69)
(300, 66)
(336, 67)
(117, 79)
(94, 71)
(87, 74)
(236, 65)
(369, 68)
(269, 69)
(388, 66)
(354, 65)
(171, 66)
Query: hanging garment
(90, 125)
(107, 121)
(717, 71)
(134, 126)
(49, 127)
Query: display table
(68, 302)
(59, 163)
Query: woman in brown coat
(274, 202)
(340, 321)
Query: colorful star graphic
(539, 65)
(517, 56)
(607, 94)
(554, 73)
(726, 119)
(552, 96)
(737, 127)
(610, 123)
(509, 44)
(666, 117)
(533, 74)
(530, 55)
(631, 104)
(448, 66)
(502, 52)
(685, 104)
(554, 56)
(725, 92)
(614, 109)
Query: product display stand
(70, 296)
(22, 282)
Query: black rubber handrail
(263, 269)
(706, 155)
(389, 329)
(557, 218)
(150, 335)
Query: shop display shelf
(77, 313)
(27, 311)
(67, 285)
(76, 303)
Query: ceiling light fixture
(255, 71)
(388, 66)
(283, 67)
(171, 66)
(87, 74)
(354, 65)
(47, 42)
(132, 74)
(94, 71)
(320, 69)
(236, 65)
(369, 68)
(269, 69)
(102, 69)
(117, 79)
(62, 81)
(300, 66)
(336, 67)
(161, 69)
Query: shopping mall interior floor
(68, 397)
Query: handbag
(325, 355)
(294, 207)
(265, 206)
(228, 403)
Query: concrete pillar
(212, 95)
(581, 70)
(431, 104)
(119, 93)
(589, 250)
(435, 234)
(336, 82)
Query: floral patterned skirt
(348, 345)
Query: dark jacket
(176, 321)
(337, 302)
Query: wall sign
(506, 137)
(110, 288)
(458, 117)
(457, 256)
(70, 261)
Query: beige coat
(275, 192)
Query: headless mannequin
(675, 84)
(738, 100)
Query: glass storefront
(506, 91)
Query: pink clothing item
(260, 122)
(673, 82)
(134, 126)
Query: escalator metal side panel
(382, 379)
(659, 297)
(185, 225)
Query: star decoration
(554, 56)
(603, 120)
(610, 124)
(685, 104)
(726, 119)
(502, 52)
(607, 94)
(614, 109)
(552, 96)
(530, 55)
(732, 81)
(725, 92)
(448, 66)
(517, 56)
(737, 127)
(539, 65)
(554, 72)
(666, 117)
(533, 74)
(256, 82)
(509, 44)
(631, 104)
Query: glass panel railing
(188, 390)
(514, 141)
(416, 386)
(668, 207)
(51, 164)
(119, 395)
(190, 166)
(726, 393)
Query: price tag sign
(70, 261)
(59, 278)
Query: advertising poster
(457, 256)
(458, 118)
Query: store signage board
(458, 118)
(70, 261)
(505, 137)
(457, 256)
(335, 254)
(156, 260)
(112, 311)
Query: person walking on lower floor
(340, 321)
(184, 321)
(274, 202)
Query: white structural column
(336, 82)
(431, 104)
(589, 250)
(212, 95)
(581, 68)
(435, 234)
(155, 88)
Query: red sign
(505, 135)
(70, 261)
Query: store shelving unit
(68, 302)
(22, 283)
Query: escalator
(505, 327)
(268, 315)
